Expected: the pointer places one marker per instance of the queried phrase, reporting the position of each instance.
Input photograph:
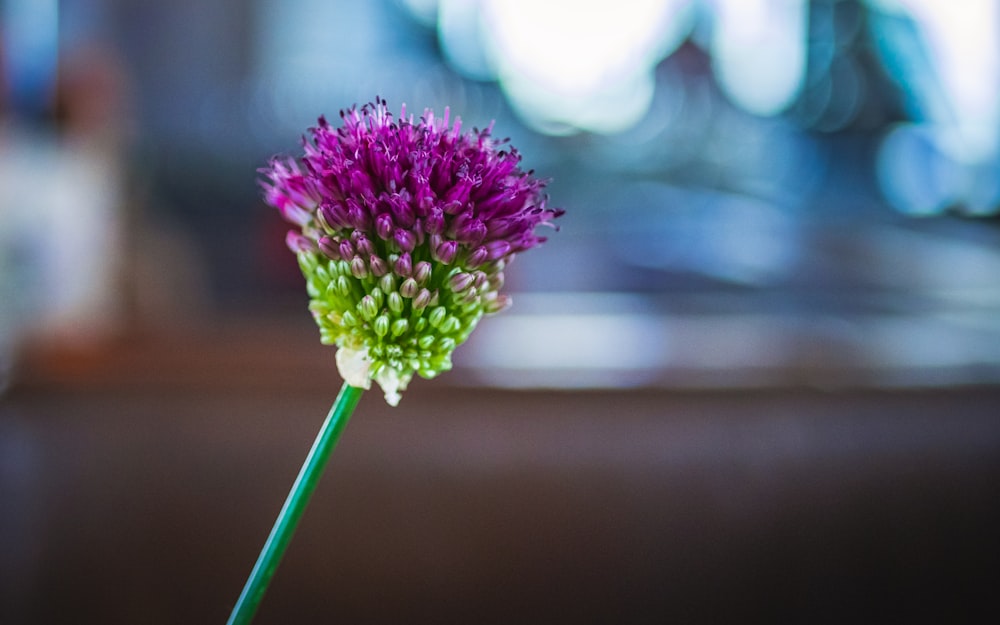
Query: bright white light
(758, 52)
(588, 64)
(962, 40)
(614, 107)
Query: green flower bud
(395, 302)
(343, 286)
(368, 308)
(449, 325)
(399, 326)
(437, 316)
(381, 325)
(387, 283)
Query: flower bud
(368, 308)
(460, 221)
(381, 325)
(357, 216)
(321, 273)
(497, 249)
(299, 243)
(418, 233)
(307, 262)
(399, 326)
(477, 257)
(450, 325)
(497, 304)
(334, 215)
(358, 268)
(421, 300)
(360, 181)
(346, 250)
(395, 302)
(409, 288)
(460, 282)
(437, 316)
(387, 283)
(422, 272)
(402, 212)
(470, 296)
(447, 344)
(383, 226)
(377, 266)
(404, 239)
(434, 223)
(362, 244)
(404, 266)
(349, 319)
(480, 279)
(343, 286)
(446, 252)
(330, 247)
(472, 232)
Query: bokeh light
(565, 66)
(759, 50)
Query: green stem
(298, 498)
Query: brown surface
(135, 493)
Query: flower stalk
(298, 497)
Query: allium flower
(403, 231)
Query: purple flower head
(417, 197)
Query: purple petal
(472, 232)
(405, 240)
(403, 266)
(299, 243)
(346, 250)
(383, 226)
(477, 257)
(497, 249)
(330, 247)
(446, 252)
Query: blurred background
(755, 375)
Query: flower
(404, 229)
